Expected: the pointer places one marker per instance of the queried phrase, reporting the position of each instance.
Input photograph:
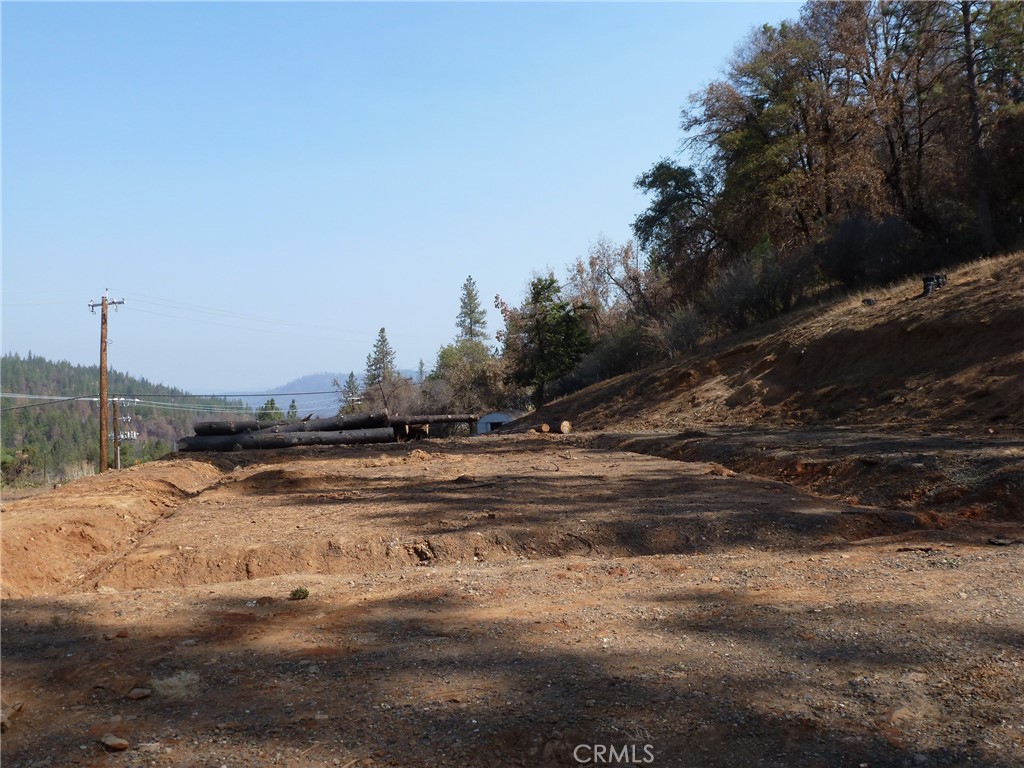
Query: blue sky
(268, 184)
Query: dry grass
(181, 686)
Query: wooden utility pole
(104, 456)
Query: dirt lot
(522, 600)
(801, 546)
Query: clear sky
(268, 184)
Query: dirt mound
(187, 523)
(51, 540)
(953, 360)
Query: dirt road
(502, 601)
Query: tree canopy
(380, 362)
(472, 318)
(544, 338)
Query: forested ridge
(854, 146)
(52, 441)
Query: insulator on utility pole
(103, 304)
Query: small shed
(495, 421)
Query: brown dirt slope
(953, 361)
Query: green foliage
(464, 379)
(269, 412)
(467, 376)
(380, 363)
(876, 112)
(472, 319)
(383, 385)
(299, 593)
(544, 339)
(351, 394)
(51, 442)
(677, 229)
(293, 410)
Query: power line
(246, 327)
(195, 408)
(166, 395)
(245, 394)
(48, 402)
(199, 408)
(43, 397)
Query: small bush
(760, 286)
(299, 593)
(621, 350)
(678, 333)
(866, 251)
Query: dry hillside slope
(953, 361)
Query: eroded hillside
(951, 361)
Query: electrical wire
(51, 401)
(195, 408)
(42, 397)
(239, 394)
(198, 408)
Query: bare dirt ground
(503, 601)
(801, 548)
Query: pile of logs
(357, 429)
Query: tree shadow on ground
(425, 678)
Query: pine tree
(293, 410)
(351, 394)
(545, 338)
(269, 412)
(380, 363)
(472, 319)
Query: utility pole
(104, 457)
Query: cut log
(545, 427)
(233, 427)
(256, 440)
(439, 418)
(565, 427)
(406, 432)
(333, 424)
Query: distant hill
(324, 401)
(51, 441)
(314, 393)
